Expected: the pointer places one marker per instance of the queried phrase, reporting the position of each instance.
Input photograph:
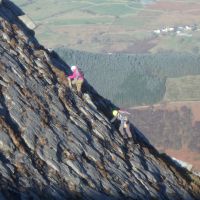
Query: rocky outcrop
(57, 145)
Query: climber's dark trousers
(125, 129)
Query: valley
(173, 127)
(118, 26)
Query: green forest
(132, 79)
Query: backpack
(80, 74)
(123, 115)
(124, 112)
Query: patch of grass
(42, 10)
(21, 2)
(178, 43)
(82, 21)
(127, 21)
(112, 9)
(183, 88)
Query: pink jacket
(76, 75)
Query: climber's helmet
(115, 112)
(73, 67)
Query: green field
(183, 88)
(112, 26)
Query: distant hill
(176, 130)
(183, 88)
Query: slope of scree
(56, 145)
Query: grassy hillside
(183, 88)
(129, 79)
(115, 26)
(172, 127)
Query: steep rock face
(56, 145)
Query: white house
(157, 31)
(188, 28)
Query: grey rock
(57, 145)
(26, 20)
(6, 144)
(1, 195)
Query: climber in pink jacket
(76, 78)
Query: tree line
(131, 79)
